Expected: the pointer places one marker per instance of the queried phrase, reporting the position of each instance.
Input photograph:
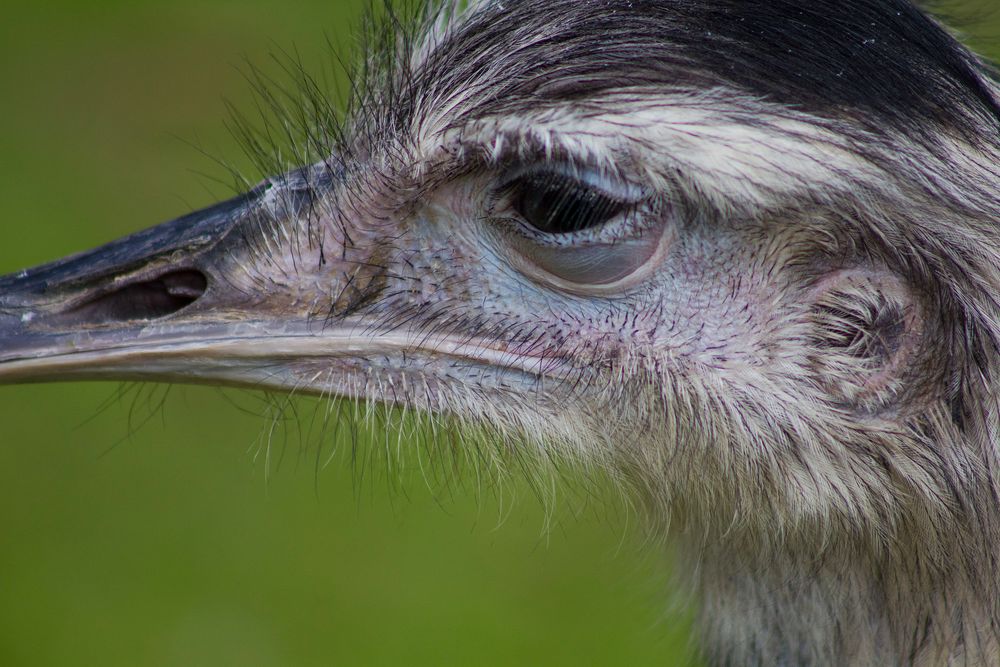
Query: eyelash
(557, 204)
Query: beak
(275, 289)
(199, 299)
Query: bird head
(745, 256)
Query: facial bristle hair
(855, 132)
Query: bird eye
(623, 236)
(555, 203)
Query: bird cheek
(866, 331)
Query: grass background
(139, 526)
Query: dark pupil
(558, 204)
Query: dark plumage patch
(874, 61)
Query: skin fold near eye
(590, 267)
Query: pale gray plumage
(744, 256)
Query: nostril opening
(146, 300)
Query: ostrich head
(743, 256)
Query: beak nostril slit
(146, 300)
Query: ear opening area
(865, 334)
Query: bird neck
(833, 609)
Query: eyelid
(631, 262)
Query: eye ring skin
(539, 262)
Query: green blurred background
(141, 525)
